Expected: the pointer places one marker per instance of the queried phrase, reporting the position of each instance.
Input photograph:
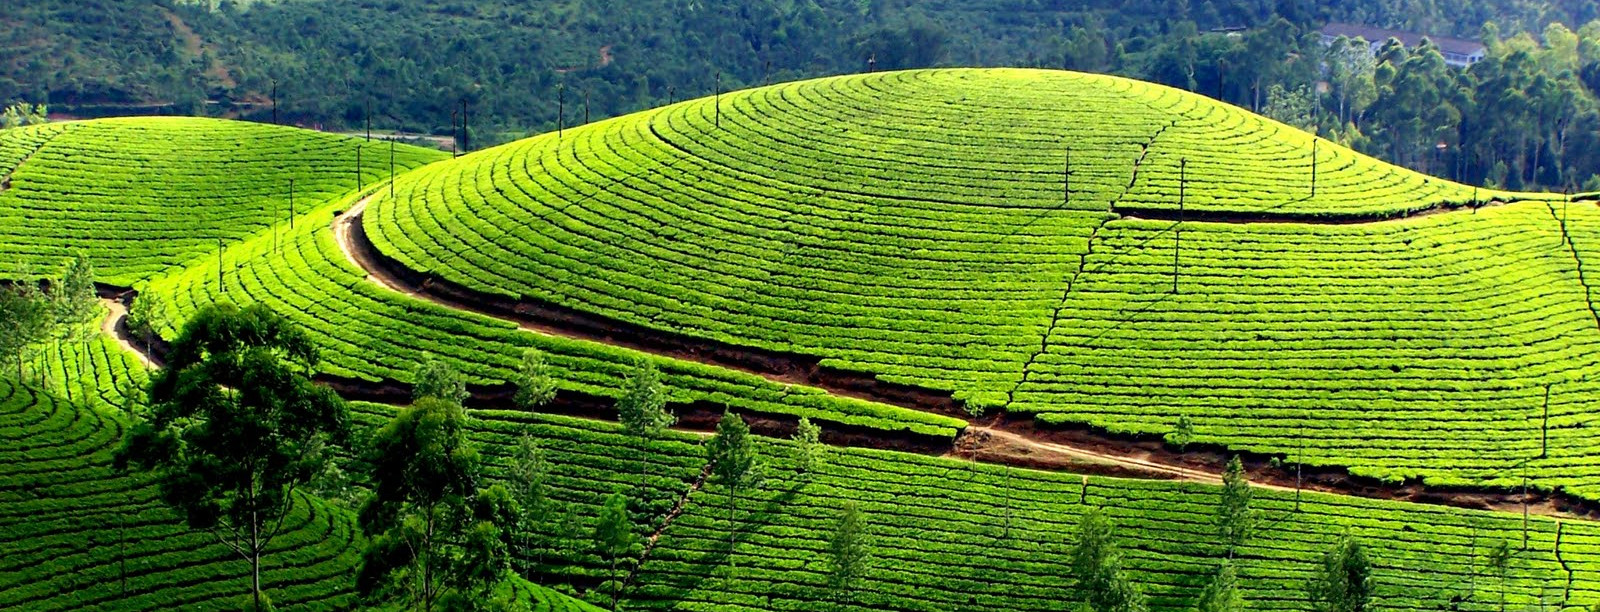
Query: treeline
(524, 68)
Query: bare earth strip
(1003, 441)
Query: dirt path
(115, 326)
(1011, 443)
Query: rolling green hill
(141, 195)
(923, 227)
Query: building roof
(1410, 39)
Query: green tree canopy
(236, 426)
(438, 540)
(1343, 583)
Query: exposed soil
(1007, 439)
(1268, 216)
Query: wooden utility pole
(1524, 504)
(561, 109)
(391, 169)
(718, 102)
(872, 63)
(291, 205)
(274, 225)
(1299, 462)
(1314, 145)
(1177, 229)
(1544, 428)
(586, 107)
(224, 286)
(766, 74)
(275, 101)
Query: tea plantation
(1075, 259)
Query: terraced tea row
(1451, 348)
(948, 535)
(79, 536)
(371, 333)
(901, 225)
(140, 195)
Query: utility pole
(1299, 461)
(1177, 229)
(1544, 428)
(561, 109)
(671, 94)
(718, 121)
(1524, 504)
(274, 222)
(224, 286)
(766, 74)
(586, 107)
(1314, 142)
(391, 169)
(872, 63)
(274, 101)
(291, 205)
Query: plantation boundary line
(5, 181)
(1083, 262)
(970, 445)
(1332, 218)
(1566, 240)
(666, 521)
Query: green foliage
(734, 463)
(439, 380)
(536, 384)
(236, 427)
(1344, 582)
(528, 482)
(73, 301)
(808, 446)
(147, 317)
(437, 537)
(1235, 518)
(849, 558)
(1101, 583)
(25, 321)
(642, 410)
(21, 114)
(614, 537)
(1183, 434)
(1222, 593)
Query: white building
(1457, 52)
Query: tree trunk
(255, 558)
(733, 501)
(614, 585)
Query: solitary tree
(643, 411)
(1222, 594)
(147, 317)
(437, 540)
(848, 559)
(235, 427)
(733, 463)
(1500, 561)
(536, 387)
(1344, 582)
(613, 536)
(808, 448)
(530, 471)
(1182, 435)
(75, 305)
(1234, 516)
(25, 320)
(438, 380)
(1097, 564)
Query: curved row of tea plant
(140, 195)
(947, 535)
(913, 226)
(77, 535)
(1452, 348)
(368, 332)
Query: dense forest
(1525, 117)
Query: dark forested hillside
(523, 66)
